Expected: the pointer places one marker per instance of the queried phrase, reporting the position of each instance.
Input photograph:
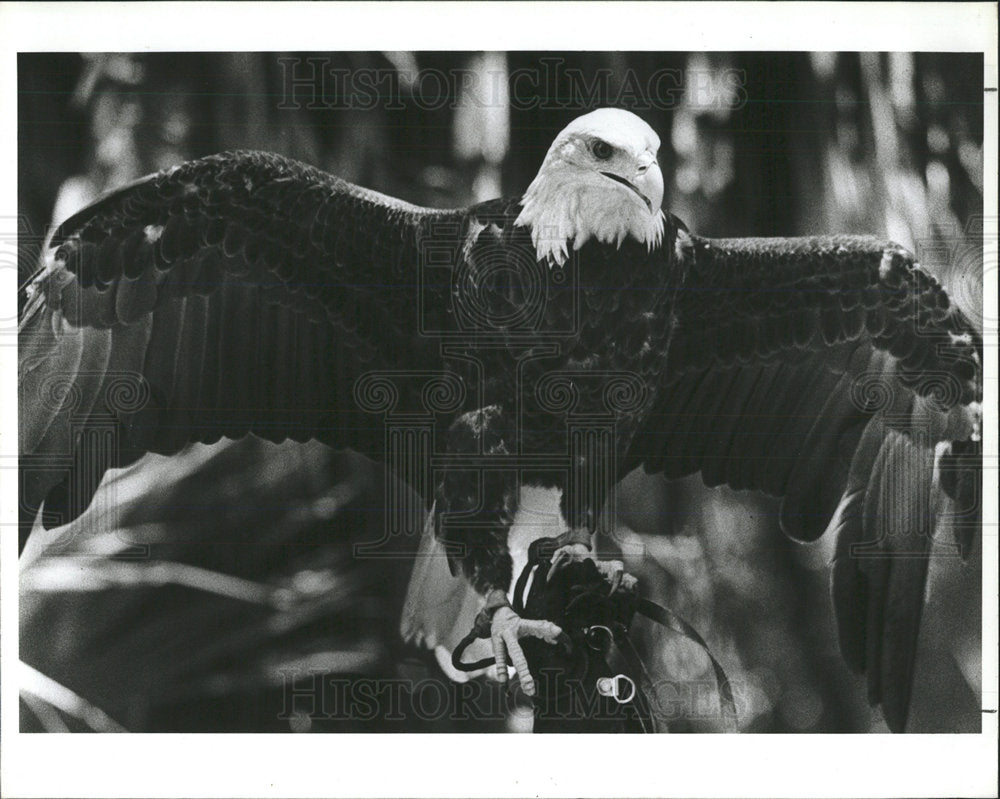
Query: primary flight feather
(560, 339)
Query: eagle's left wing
(835, 373)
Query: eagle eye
(601, 149)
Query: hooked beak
(647, 183)
(630, 185)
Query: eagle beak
(630, 185)
(647, 185)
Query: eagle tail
(439, 608)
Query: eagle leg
(576, 544)
(475, 510)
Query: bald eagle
(560, 339)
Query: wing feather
(819, 469)
(826, 371)
(716, 467)
(182, 417)
(214, 284)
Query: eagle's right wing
(238, 293)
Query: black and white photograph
(499, 389)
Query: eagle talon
(612, 570)
(570, 553)
(505, 630)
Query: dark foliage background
(221, 589)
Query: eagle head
(599, 180)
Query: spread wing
(826, 371)
(239, 293)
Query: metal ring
(608, 686)
(590, 642)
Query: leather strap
(538, 554)
(640, 675)
(672, 621)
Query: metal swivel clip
(612, 686)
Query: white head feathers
(600, 180)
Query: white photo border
(470, 765)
